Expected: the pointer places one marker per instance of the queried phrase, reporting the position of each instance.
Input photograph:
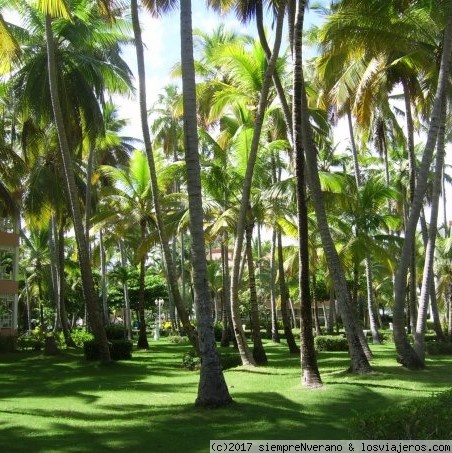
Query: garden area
(248, 238)
(65, 403)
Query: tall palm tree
(359, 361)
(407, 355)
(427, 279)
(169, 263)
(129, 203)
(246, 190)
(212, 389)
(83, 251)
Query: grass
(63, 403)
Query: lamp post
(159, 303)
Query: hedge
(422, 419)
(119, 349)
(330, 343)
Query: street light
(159, 303)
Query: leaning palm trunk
(170, 266)
(212, 389)
(276, 79)
(407, 355)
(427, 278)
(92, 304)
(359, 360)
(245, 353)
(258, 348)
(412, 290)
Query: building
(9, 268)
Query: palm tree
(428, 275)
(359, 361)
(169, 262)
(129, 203)
(61, 13)
(212, 389)
(407, 355)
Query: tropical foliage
(236, 204)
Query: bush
(7, 343)
(80, 336)
(33, 340)
(191, 361)
(438, 348)
(116, 332)
(230, 360)
(330, 343)
(119, 349)
(177, 339)
(424, 419)
(91, 350)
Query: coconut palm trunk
(258, 348)
(92, 304)
(406, 354)
(358, 350)
(273, 308)
(226, 332)
(309, 369)
(245, 353)
(427, 279)
(412, 289)
(371, 309)
(169, 263)
(212, 389)
(285, 301)
(125, 290)
(142, 342)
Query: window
(6, 311)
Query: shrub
(80, 336)
(424, 419)
(330, 343)
(438, 348)
(119, 349)
(33, 340)
(177, 339)
(91, 350)
(116, 332)
(230, 360)
(7, 343)
(191, 361)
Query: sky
(161, 38)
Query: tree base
(311, 380)
(412, 362)
(142, 343)
(50, 346)
(259, 356)
(213, 403)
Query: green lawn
(64, 403)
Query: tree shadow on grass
(175, 428)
